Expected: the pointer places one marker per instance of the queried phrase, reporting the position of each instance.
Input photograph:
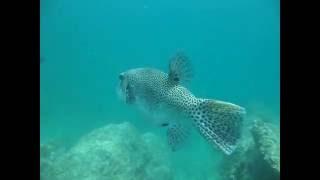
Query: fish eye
(121, 76)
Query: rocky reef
(121, 152)
(49, 152)
(116, 151)
(258, 155)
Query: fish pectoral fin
(180, 69)
(177, 134)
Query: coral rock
(114, 152)
(257, 157)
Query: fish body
(217, 121)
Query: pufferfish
(164, 95)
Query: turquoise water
(233, 45)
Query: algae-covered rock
(49, 152)
(257, 157)
(237, 165)
(267, 141)
(114, 152)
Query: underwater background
(234, 48)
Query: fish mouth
(126, 90)
(130, 98)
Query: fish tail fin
(219, 122)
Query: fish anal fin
(177, 135)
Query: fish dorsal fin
(180, 69)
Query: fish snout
(123, 82)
